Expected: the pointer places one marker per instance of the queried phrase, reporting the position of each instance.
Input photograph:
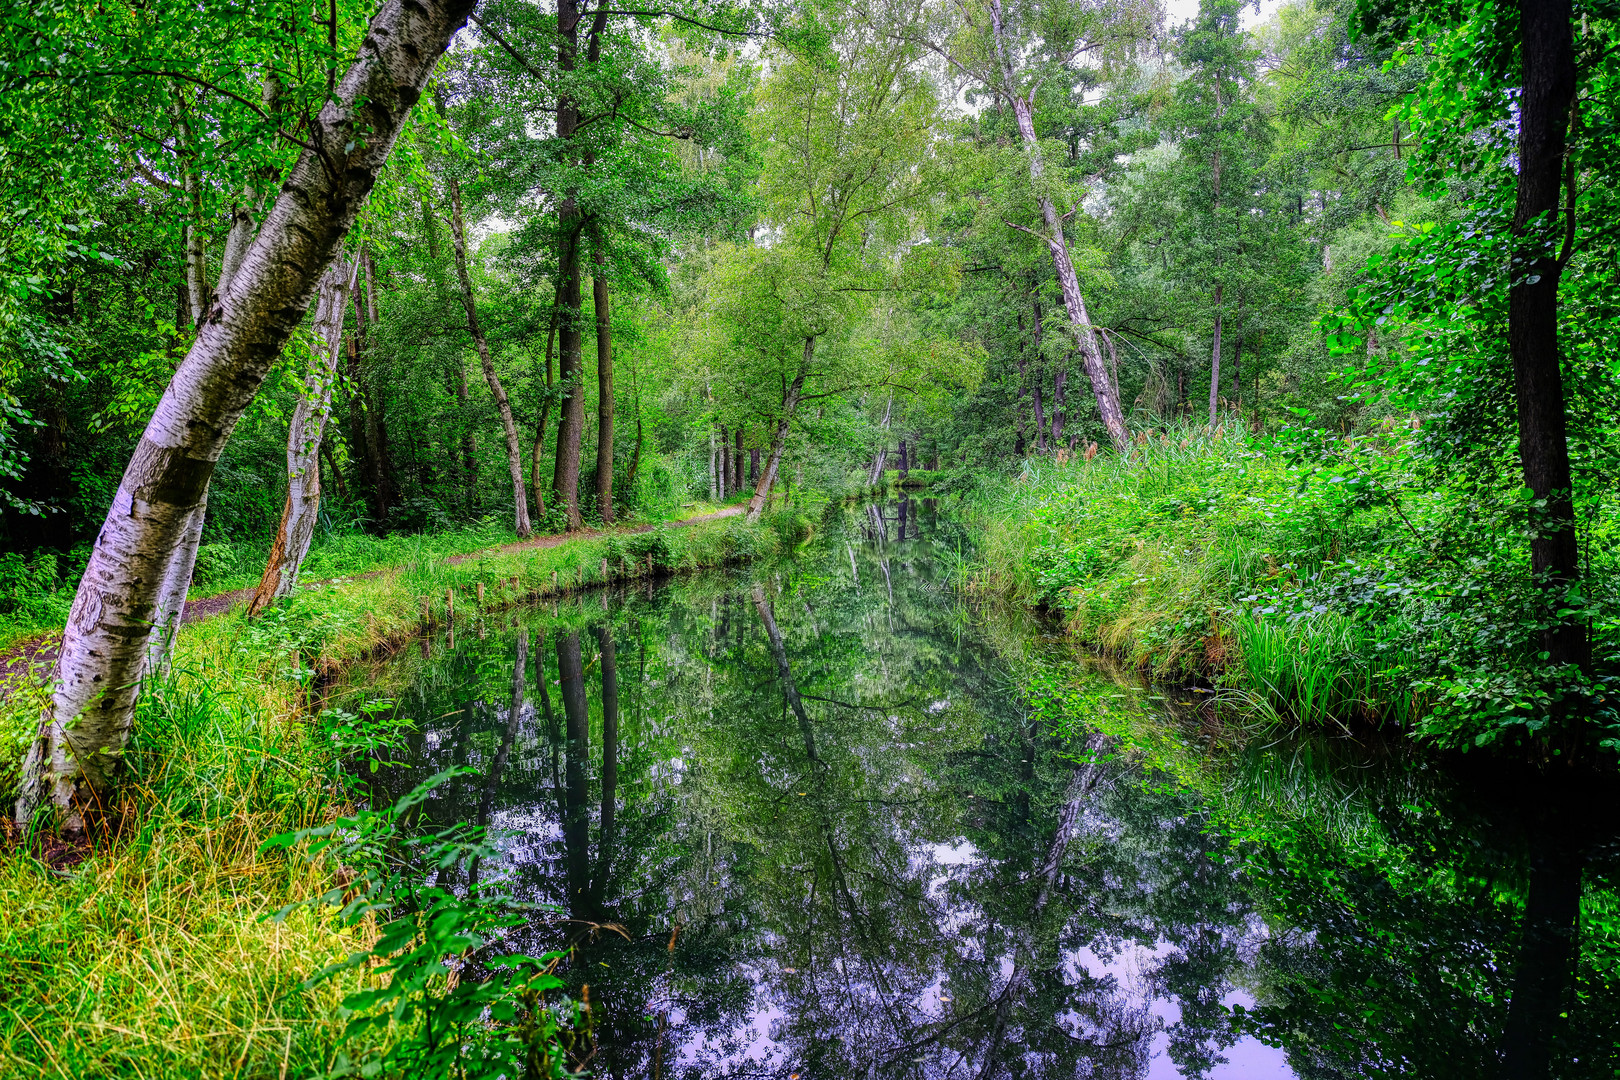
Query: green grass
(36, 593)
(1190, 557)
(153, 957)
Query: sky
(1180, 11)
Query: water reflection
(810, 823)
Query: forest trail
(25, 655)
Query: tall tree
(72, 764)
(503, 406)
(1012, 48)
(847, 170)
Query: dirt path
(43, 649)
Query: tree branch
(687, 19)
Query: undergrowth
(1335, 581)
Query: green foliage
(429, 1011)
(1323, 579)
(29, 587)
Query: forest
(928, 538)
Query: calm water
(814, 823)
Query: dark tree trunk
(1544, 113)
(571, 337)
(1058, 381)
(1237, 371)
(469, 447)
(905, 462)
(604, 387)
(753, 465)
(610, 762)
(723, 467)
(1035, 384)
(576, 824)
(737, 460)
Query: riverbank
(1337, 587)
(152, 954)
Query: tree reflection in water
(810, 823)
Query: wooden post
(450, 605)
(554, 581)
(480, 594)
(604, 571)
(582, 575)
(427, 611)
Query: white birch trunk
(72, 765)
(881, 457)
(171, 602)
(1085, 335)
(790, 402)
(514, 451)
(714, 492)
(304, 434)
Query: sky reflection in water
(808, 823)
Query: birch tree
(1012, 48)
(304, 435)
(72, 765)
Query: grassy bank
(36, 593)
(1336, 585)
(153, 956)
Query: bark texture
(72, 763)
(304, 435)
(171, 601)
(570, 222)
(503, 405)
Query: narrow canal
(827, 820)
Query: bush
(30, 586)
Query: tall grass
(149, 957)
(153, 957)
(1171, 558)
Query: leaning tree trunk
(514, 451)
(304, 436)
(72, 763)
(790, 402)
(170, 610)
(1085, 335)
